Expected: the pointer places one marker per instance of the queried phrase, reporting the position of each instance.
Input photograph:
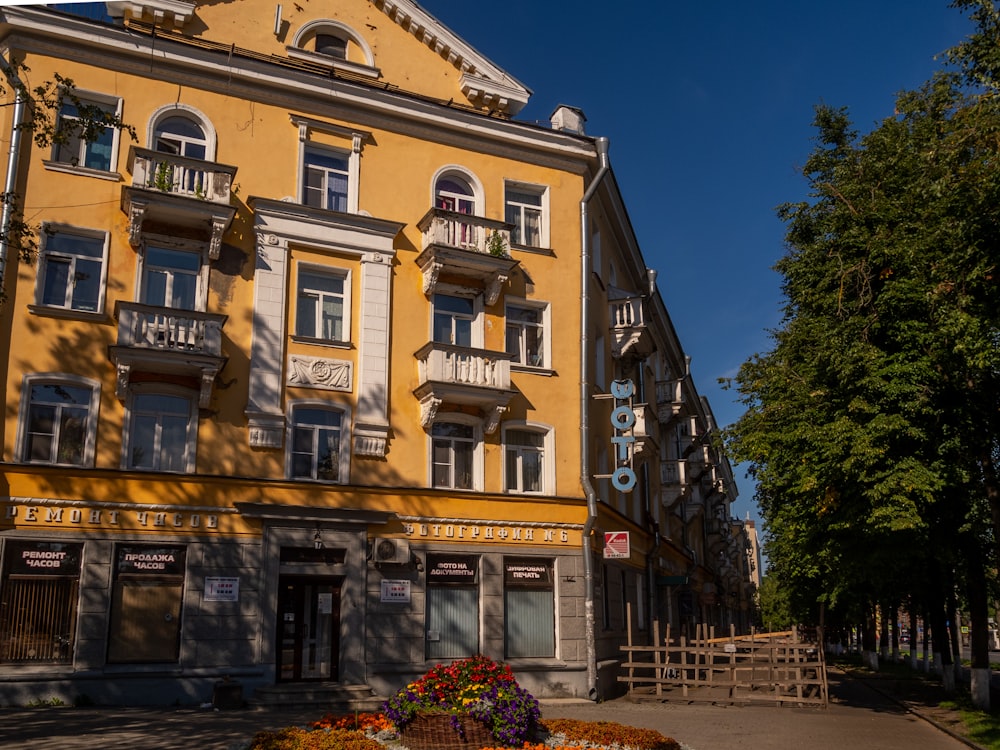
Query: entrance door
(308, 628)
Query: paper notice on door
(324, 603)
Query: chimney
(568, 119)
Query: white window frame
(477, 450)
(546, 325)
(542, 192)
(449, 290)
(113, 103)
(191, 436)
(311, 147)
(90, 431)
(344, 452)
(50, 230)
(172, 243)
(457, 172)
(548, 456)
(344, 274)
(190, 113)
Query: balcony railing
(457, 365)
(182, 176)
(630, 334)
(669, 399)
(627, 313)
(149, 327)
(673, 472)
(474, 233)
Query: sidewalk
(858, 717)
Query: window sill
(68, 314)
(56, 465)
(58, 166)
(322, 342)
(533, 249)
(333, 63)
(532, 370)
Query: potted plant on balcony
(496, 244)
(470, 703)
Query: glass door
(308, 628)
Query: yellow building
(330, 371)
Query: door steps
(327, 696)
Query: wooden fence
(760, 667)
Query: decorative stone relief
(431, 273)
(493, 418)
(495, 287)
(136, 212)
(316, 372)
(428, 410)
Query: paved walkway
(858, 717)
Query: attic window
(332, 44)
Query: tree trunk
(979, 627)
(913, 639)
(927, 642)
(869, 653)
(894, 613)
(942, 649)
(956, 639)
(883, 640)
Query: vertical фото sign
(616, 545)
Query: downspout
(585, 357)
(13, 164)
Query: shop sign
(616, 545)
(623, 420)
(107, 518)
(452, 569)
(395, 591)
(527, 572)
(487, 533)
(43, 558)
(151, 561)
(219, 589)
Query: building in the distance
(333, 371)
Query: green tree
(871, 425)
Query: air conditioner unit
(393, 551)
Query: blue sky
(708, 107)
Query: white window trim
(467, 175)
(344, 468)
(173, 243)
(339, 272)
(543, 192)
(546, 310)
(192, 430)
(94, 97)
(478, 312)
(548, 455)
(191, 113)
(353, 170)
(78, 381)
(51, 228)
(477, 450)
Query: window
(60, 420)
(453, 318)
(524, 455)
(321, 311)
(315, 447)
(325, 177)
(334, 46)
(170, 278)
(529, 608)
(455, 194)
(524, 209)
(452, 451)
(162, 432)
(72, 270)
(452, 606)
(180, 136)
(93, 150)
(527, 334)
(146, 604)
(38, 601)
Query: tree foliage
(870, 427)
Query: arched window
(181, 136)
(454, 193)
(334, 44)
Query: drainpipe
(10, 181)
(585, 356)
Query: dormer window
(333, 44)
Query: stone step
(326, 696)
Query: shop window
(452, 606)
(38, 601)
(146, 604)
(529, 608)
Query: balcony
(466, 250)
(170, 192)
(673, 481)
(669, 400)
(630, 336)
(644, 431)
(460, 376)
(164, 340)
